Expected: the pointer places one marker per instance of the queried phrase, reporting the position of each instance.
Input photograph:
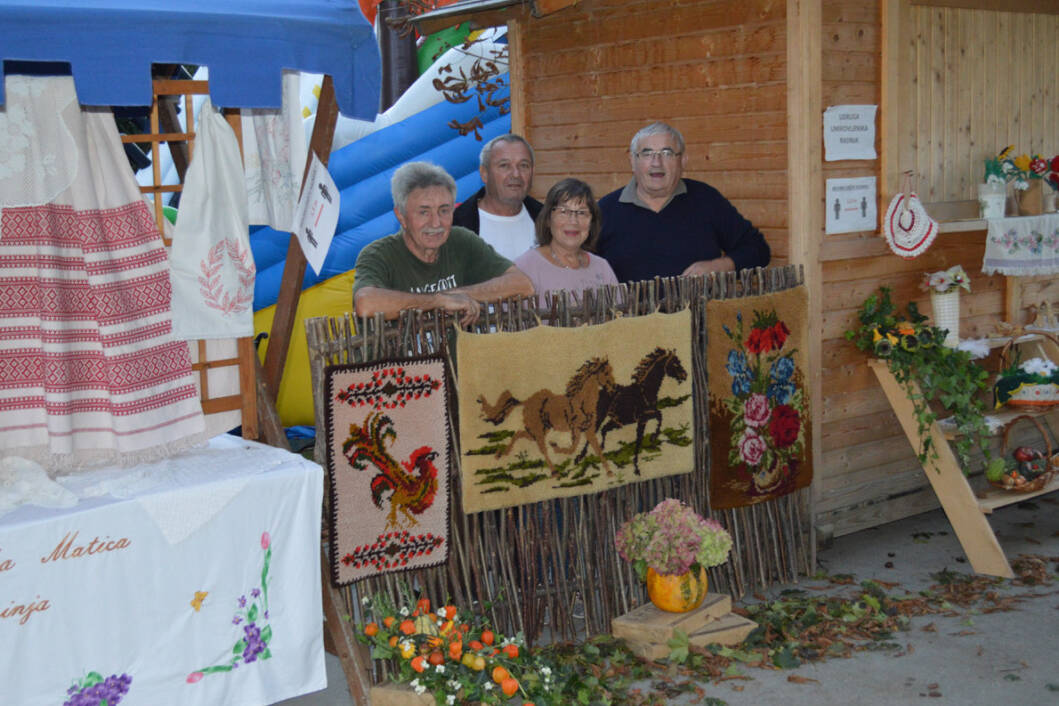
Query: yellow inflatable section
(332, 297)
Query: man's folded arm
(512, 283)
(369, 300)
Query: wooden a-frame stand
(967, 512)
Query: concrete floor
(1000, 658)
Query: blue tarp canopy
(111, 44)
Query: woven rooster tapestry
(556, 412)
(759, 405)
(388, 465)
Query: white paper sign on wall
(316, 215)
(849, 132)
(851, 205)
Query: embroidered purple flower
(751, 447)
(236, 620)
(255, 592)
(93, 690)
(242, 601)
(756, 410)
(254, 644)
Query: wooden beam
(356, 663)
(516, 75)
(1040, 7)
(294, 270)
(547, 7)
(479, 19)
(805, 195)
(946, 477)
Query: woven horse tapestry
(756, 361)
(558, 412)
(388, 466)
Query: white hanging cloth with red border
(212, 267)
(908, 228)
(89, 372)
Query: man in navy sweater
(661, 225)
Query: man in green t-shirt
(430, 264)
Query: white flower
(441, 669)
(453, 684)
(1038, 366)
(417, 687)
(365, 600)
(546, 671)
(487, 686)
(404, 611)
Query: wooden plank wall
(591, 75)
(870, 474)
(970, 98)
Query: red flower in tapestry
(759, 412)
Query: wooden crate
(650, 624)
(647, 629)
(398, 695)
(730, 629)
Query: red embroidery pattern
(392, 550)
(214, 293)
(85, 296)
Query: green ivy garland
(948, 376)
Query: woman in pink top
(568, 223)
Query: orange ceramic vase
(676, 593)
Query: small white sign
(316, 215)
(851, 205)
(849, 132)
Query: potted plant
(944, 288)
(1026, 173)
(670, 548)
(992, 194)
(948, 377)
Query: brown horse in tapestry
(544, 411)
(637, 403)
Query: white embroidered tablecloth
(1028, 245)
(200, 585)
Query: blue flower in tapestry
(759, 406)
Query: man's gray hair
(418, 175)
(656, 129)
(487, 152)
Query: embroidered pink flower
(756, 410)
(751, 447)
(265, 540)
(194, 677)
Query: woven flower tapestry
(556, 412)
(388, 465)
(759, 405)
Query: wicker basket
(1030, 395)
(1011, 484)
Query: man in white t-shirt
(502, 213)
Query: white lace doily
(23, 482)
